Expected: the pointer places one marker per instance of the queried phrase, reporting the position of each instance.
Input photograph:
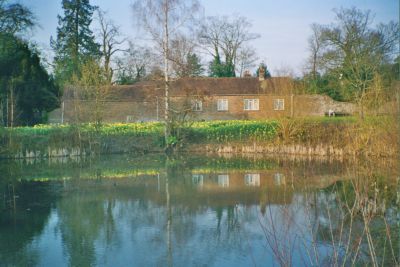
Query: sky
(283, 25)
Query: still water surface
(198, 211)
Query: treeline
(350, 60)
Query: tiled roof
(205, 86)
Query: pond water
(194, 210)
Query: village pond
(199, 210)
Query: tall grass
(368, 136)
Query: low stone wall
(126, 147)
(319, 105)
(104, 146)
(289, 149)
(50, 153)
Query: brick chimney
(247, 74)
(261, 73)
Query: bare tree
(134, 64)
(110, 39)
(185, 62)
(246, 60)
(162, 20)
(226, 37)
(315, 44)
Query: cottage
(201, 98)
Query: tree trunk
(1, 112)
(362, 98)
(12, 108)
(7, 116)
(167, 130)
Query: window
(222, 104)
(251, 104)
(223, 180)
(197, 105)
(252, 179)
(279, 179)
(130, 118)
(279, 104)
(198, 179)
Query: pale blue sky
(284, 25)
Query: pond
(199, 210)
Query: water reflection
(195, 210)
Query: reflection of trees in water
(19, 225)
(351, 221)
(88, 220)
(311, 227)
(357, 219)
(84, 218)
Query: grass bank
(375, 136)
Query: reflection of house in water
(223, 180)
(252, 179)
(260, 178)
(221, 186)
(198, 180)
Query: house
(202, 98)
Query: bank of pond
(329, 136)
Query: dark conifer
(75, 41)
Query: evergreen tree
(26, 89)
(189, 67)
(218, 68)
(267, 74)
(75, 42)
(194, 66)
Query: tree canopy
(15, 18)
(347, 57)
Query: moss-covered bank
(374, 136)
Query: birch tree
(162, 20)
